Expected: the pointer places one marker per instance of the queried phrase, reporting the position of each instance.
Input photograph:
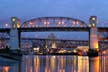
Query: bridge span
(44, 24)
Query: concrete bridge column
(14, 39)
(93, 33)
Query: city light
(62, 51)
(103, 52)
(75, 51)
(54, 45)
(6, 25)
(36, 49)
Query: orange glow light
(18, 25)
(103, 52)
(96, 45)
(6, 69)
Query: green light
(93, 18)
(13, 19)
(93, 25)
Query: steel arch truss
(54, 22)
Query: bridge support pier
(93, 40)
(19, 39)
(14, 37)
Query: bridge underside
(43, 29)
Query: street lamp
(6, 25)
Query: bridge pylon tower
(93, 33)
(14, 39)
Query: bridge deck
(43, 29)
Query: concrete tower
(14, 41)
(93, 33)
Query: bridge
(43, 24)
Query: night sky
(80, 9)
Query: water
(53, 63)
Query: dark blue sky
(28, 9)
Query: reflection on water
(52, 63)
(6, 68)
(83, 64)
(104, 64)
(94, 64)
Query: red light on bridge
(75, 22)
(61, 22)
(31, 23)
(46, 22)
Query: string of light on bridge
(54, 22)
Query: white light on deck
(75, 51)
(36, 49)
